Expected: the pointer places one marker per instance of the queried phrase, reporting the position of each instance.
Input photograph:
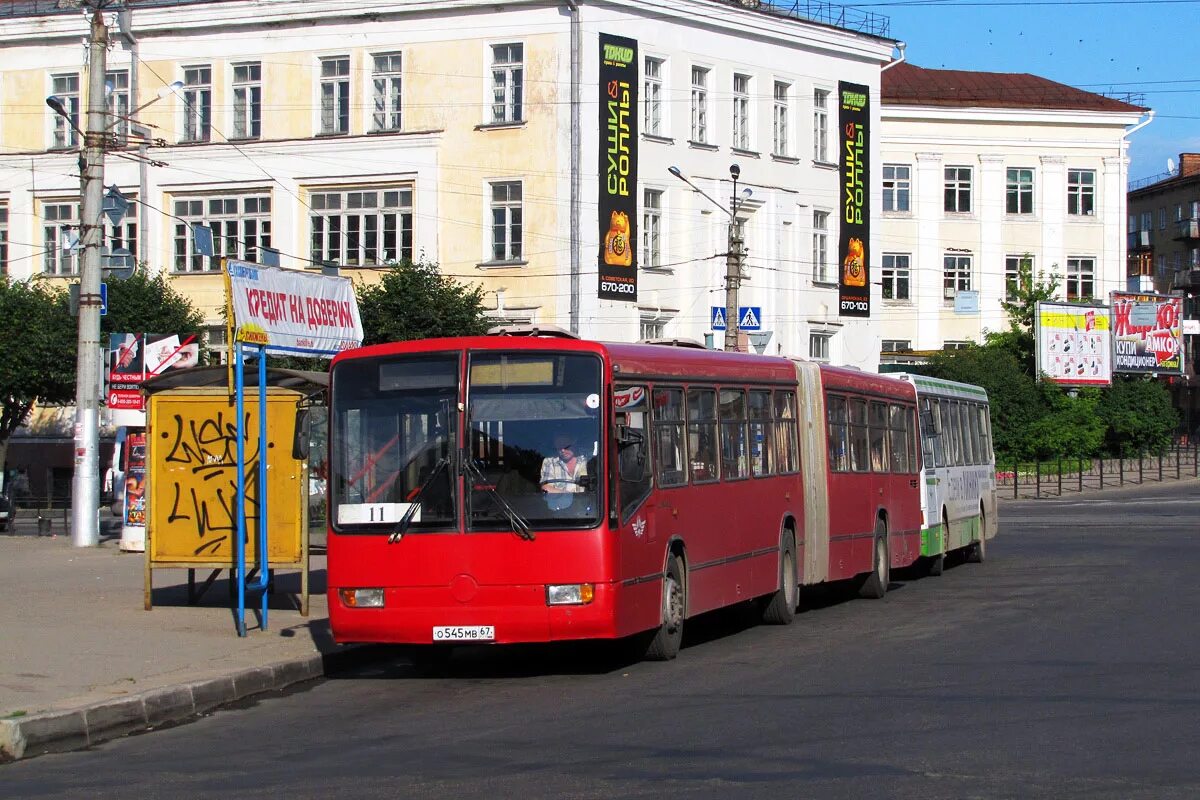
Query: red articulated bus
(532, 488)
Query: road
(1065, 666)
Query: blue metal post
(264, 573)
(240, 385)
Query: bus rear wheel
(876, 584)
(779, 607)
(977, 551)
(667, 639)
(937, 564)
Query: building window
(895, 346)
(897, 184)
(197, 104)
(1019, 195)
(652, 229)
(1147, 221)
(955, 344)
(779, 120)
(1081, 278)
(1161, 264)
(652, 324)
(957, 190)
(895, 276)
(507, 223)
(820, 247)
(818, 346)
(699, 105)
(362, 227)
(60, 236)
(117, 85)
(821, 125)
(387, 80)
(1162, 219)
(1012, 275)
(956, 275)
(335, 95)
(741, 112)
(240, 225)
(652, 97)
(66, 89)
(1081, 192)
(3, 240)
(216, 342)
(508, 81)
(247, 100)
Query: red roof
(910, 85)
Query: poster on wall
(618, 168)
(1072, 343)
(854, 137)
(134, 357)
(1147, 333)
(135, 479)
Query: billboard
(617, 199)
(134, 357)
(1147, 333)
(1073, 344)
(289, 312)
(854, 138)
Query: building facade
(466, 134)
(981, 172)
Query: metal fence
(1053, 478)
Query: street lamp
(734, 254)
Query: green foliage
(1026, 292)
(415, 301)
(1138, 415)
(1069, 426)
(37, 337)
(147, 303)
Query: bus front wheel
(667, 639)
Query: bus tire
(978, 549)
(876, 584)
(779, 607)
(937, 564)
(667, 639)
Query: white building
(981, 170)
(468, 134)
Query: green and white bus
(958, 469)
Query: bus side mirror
(302, 435)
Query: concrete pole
(85, 486)
(576, 156)
(733, 275)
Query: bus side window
(901, 444)
(633, 448)
(859, 458)
(878, 432)
(787, 455)
(670, 444)
(839, 442)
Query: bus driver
(562, 473)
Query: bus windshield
(392, 436)
(534, 438)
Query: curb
(77, 728)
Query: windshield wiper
(519, 525)
(415, 505)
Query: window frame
(1019, 186)
(506, 96)
(1081, 194)
(236, 211)
(387, 92)
(959, 276)
(897, 190)
(820, 246)
(197, 93)
(780, 122)
(652, 94)
(740, 101)
(510, 248)
(957, 191)
(384, 219)
(63, 132)
(698, 132)
(821, 124)
(893, 273)
(652, 233)
(246, 92)
(333, 95)
(1080, 283)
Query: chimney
(1189, 164)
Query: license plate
(464, 633)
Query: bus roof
(928, 385)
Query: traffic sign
(749, 318)
(103, 299)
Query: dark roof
(910, 85)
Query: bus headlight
(362, 598)
(569, 594)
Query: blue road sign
(103, 299)
(749, 318)
(716, 319)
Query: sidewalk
(83, 662)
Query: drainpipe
(1149, 118)
(576, 66)
(901, 46)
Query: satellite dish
(1171, 165)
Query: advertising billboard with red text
(1147, 333)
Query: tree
(415, 301)
(1138, 415)
(1020, 304)
(147, 303)
(37, 336)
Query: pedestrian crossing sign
(717, 318)
(749, 318)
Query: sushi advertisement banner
(617, 201)
(1073, 344)
(1147, 333)
(854, 147)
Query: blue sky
(1144, 47)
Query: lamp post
(733, 255)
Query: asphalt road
(1066, 666)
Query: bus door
(934, 472)
(632, 501)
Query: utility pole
(733, 267)
(85, 485)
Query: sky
(1143, 47)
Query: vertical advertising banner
(1072, 344)
(134, 357)
(854, 138)
(618, 168)
(1147, 333)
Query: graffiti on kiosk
(201, 467)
